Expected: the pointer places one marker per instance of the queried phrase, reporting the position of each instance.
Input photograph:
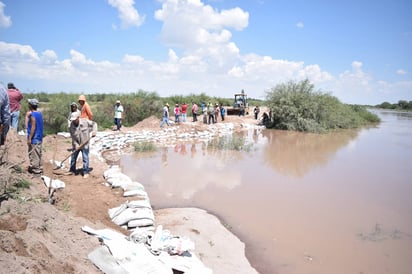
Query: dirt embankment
(37, 237)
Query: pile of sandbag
(116, 179)
(133, 214)
(145, 253)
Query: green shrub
(233, 142)
(144, 147)
(298, 107)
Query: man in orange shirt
(86, 111)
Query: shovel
(74, 151)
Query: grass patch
(66, 206)
(236, 143)
(144, 147)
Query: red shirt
(15, 97)
(184, 108)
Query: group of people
(10, 105)
(80, 123)
(210, 113)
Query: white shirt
(118, 109)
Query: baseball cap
(33, 102)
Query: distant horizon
(186, 95)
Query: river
(302, 203)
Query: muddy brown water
(302, 203)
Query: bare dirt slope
(37, 237)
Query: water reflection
(297, 153)
(182, 174)
(346, 191)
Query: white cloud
(300, 25)
(17, 52)
(5, 21)
(209, 61)
(193, 26)
(401, 72)
(128, 15)
(189, 73)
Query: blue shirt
(38, 134)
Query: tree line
(293, 105)
(137, 105)
(401, 105)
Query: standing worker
(35, 138)
(256, 110)
(15, 97)
(85, 111)
(165, 115)
(194, 112)
(184, 112)
(80, 130)
(73, 108)
(118, 114)
(4, 115)
(222, 112)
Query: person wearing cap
(35, 138)
(81, 130)
(15, 97)
(165, 115)
(177, 114)
(118, 114)
(86, 111)
(73, 108)
(194, 112)
(4, 115)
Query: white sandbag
(111, 170)
(135, 192)
(113, 212)
(55, 183)
(185, 264)
(136, 258)
(140, 223)
(132, 214)
(139, 203)
(133, 185)
(119, 180)
(141, 234)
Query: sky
(359, 51)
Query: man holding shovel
(81, 130)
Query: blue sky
(359, 51)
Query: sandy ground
(37, 237)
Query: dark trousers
(211, 117)
(118, 123)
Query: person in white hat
(118, 114)
(165, 115)
(73, 108)
(81, 130)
